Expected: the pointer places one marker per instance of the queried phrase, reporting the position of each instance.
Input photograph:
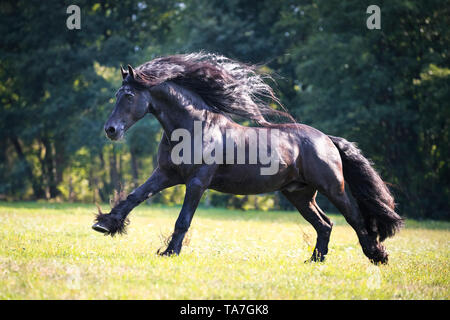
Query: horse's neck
(177, 108)
(180, 108)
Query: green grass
(49, 251)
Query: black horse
(183, 91)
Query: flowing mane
(227, 86)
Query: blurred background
(387, 89)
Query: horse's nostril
(111, 130)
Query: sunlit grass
(49, 251)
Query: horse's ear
(131, 72)
(124, 72)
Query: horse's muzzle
(113, 133)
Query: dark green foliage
(387, 90)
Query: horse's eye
(129, 96)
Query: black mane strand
(227, 86)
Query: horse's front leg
(194, 191)
(116, 221)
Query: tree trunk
(59, 157)
(113, 173)
(38, 191)
(106, 189)
(134, 169)
(50, 168)
(72, 195)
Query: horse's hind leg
(305, 203)
(322, 214)
(369, 243)
(322, 168)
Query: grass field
(49, 251)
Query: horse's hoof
(98, 227)
(167, 253)
(315, 259)
(380, 261)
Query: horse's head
(131, 105)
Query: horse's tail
(372, 195)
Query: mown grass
(49, 251)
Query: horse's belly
(248, 180)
